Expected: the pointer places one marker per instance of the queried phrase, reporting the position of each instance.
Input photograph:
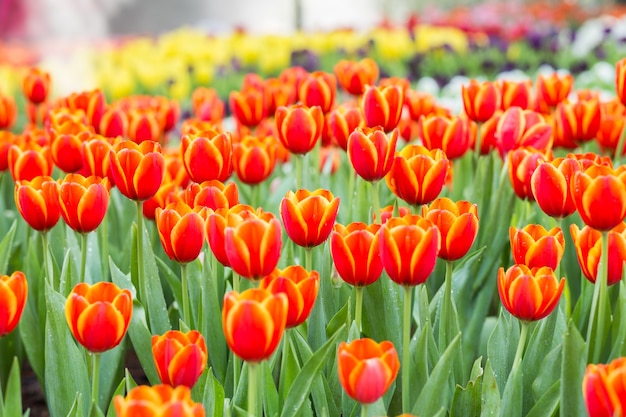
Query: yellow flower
(430, 37)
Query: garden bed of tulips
(342, 244)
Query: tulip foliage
(342, 243)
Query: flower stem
(46, 258)
(364, 408)
(446, 327)
(519, 353)
(376, 200)
(299, 169)
(358, 308)
(308, 259)
(252, 388)
(83, 256)
(95, 377)
(236, 360)
(104, 234)
(477, 146)
(140, 266)
(598, 305)
(406, 338)
(185, 291)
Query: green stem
(620, 147)
(351, 187)
(358, 313)
(364, 408)
(299, 169)
(236, 280)
(104, 234)
(477, 145)
(252, 388)
(140, 266)
(46, 258)
(95, 377)
(83, 256)
(406, 339)
(308, 259)
(285, 357)
(254, 195)
(376, 200)
(185, 290)
(598, 305)
(519, 353)
(446, 327)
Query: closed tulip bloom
(7, 139)
(98, 315)
(419, 104)
(248, 106)
(604, 389)
(382, 106)
(550, 185)
(167, 194)
(457, 223)
(355, 250)
(207, 157)
(409, 247)
(143, 125)
(354, 76)
(553, 88)
(620, 80)
(158, 401)
(114, 123)
(309, 216)
(8, 112)
(318, 89)
(278, 93)
(518, 128)
(96, 157)
(589, 248)
(522, 163)
(207, 105)
(13, 296)
(299, 127)
(609, 133)
(367, 368)
(36, 85)
(300, 287)
(38, 202)
(534, 246)
(371, 152)
(254, 322)
(217, 220)
(180, 358)
(450, 134)
(480, 100)
(599, 194)
(578, 121)
(341, 122)
(181, 230)
(253, 246)
(29, 161)
(529, 294)
(516, 93)
(212, 194)
(83, 201)
(390, 211)
(137, 169)
(254, 158)
(66, 149)
(418, 175)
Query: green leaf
(6, 248)
(618, 332)
(61, 350)
(550, 372)
(304, 380)
(130, 381)
(289, 366)
(382, 303)
(13, 395)
(502, 346)
(111, 371)
(466, 401)
(431, 399)
(119, 390)
(271, 401)
(572, 372)
(490, 396)
(213, 398)
(548, 404)
(512, 398)
(76, 410)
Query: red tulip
(137, 169)
(13, 296)
(589, 248)
(382, 106)
(355, 252)
(181, 231)
(534, 246)
(457, 223)
(480, 100)
(371, 152)
(180, 358)
(38, 202)
(83, 201)
(309, 216)
(604, 389)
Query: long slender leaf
(572, 371)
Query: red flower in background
(36, 85)
(318, 89)
(299, 127)
(354, 76)
(450, 134)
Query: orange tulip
(589, 248)
(66, 149)
(409, 247)
(599, 194)
(382, 106)
(181, 230)
(254, 158)
(419, 104)
(13, 293)
(299, 127)
(216, 222)
(211, 194)
(534, 246)
(418, 175)
(114, 123)
(611, 128)
(207, 156)
(83, 201)
(529, 294)
(254, 322)
(480, 100)
(206, 105)
(518, 128)
(253, 246)
(309, 216)
(355, 252)
(371, 152)
(180, 358)
(450, 134)
(300, 287)
(387, 212)
(8, 112)
(96, 157)
(318, 89)
(29, 161)
(7, 139)
(457, 223)
(604, 389)
(367, 368)
(143, 125)
(341, 122)
(167, 194)
(554, 88)
(620, 80)
(137, 169)
(158, 401)
(98, 315)
(550, 185)
(578, 121)
(516, 93)
(277, 94)
(36, 85)
(38, 202)
(522, 163)
(248, 106)
(355, 76)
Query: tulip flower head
(180, 358)
(13, 296)
(299, 127)
(589, 248)
(457, 223)
(207, 156)
(371, 152)
(318, 88)
(550, 185)
(137, 169)
(355, 76)
(158, 400)
(83, 201)
(36, 85)
(382, 106)
(38, 202)
(604, 388)
(355, 252)
(480, 100)
(534, 246)
(181, 231)
(309, 216)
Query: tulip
(418, 175)
(181, 230)
(180, 358)
(211, 194)
(554, 88)
(522, 163)
(457, 223)
(36, 85)
(450, 134)
(13, 293)
(480, 100)
(300, 287)
(371, 152)
(66, 149)
(589, 250)
(8, 112)
(355, 76)
(277, 94)
(599, 194)
(114, 123)
(355, 252)
(7, 139)
(318, 89)
(341, 122)
(83, 201)
(98, 315)
(604, 388)
(158, 401)
(32, 161)
(215, 226)
(577, 122)
(516, 94)
(392, 211)
(207, 156)
(299, 127)
(535, 247)
(206, 105)
(367, 368)
(96, 157)
(254, 322)
(620, 80)
(168, 193)
(248, 106)
(254, 158)
(529, 294)
(137, 169)
(309, 216)
(143, 126)
(518, 128)
(610, 131)
(550, 185)
(419, 104)
(38, 202)
(382, 106)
